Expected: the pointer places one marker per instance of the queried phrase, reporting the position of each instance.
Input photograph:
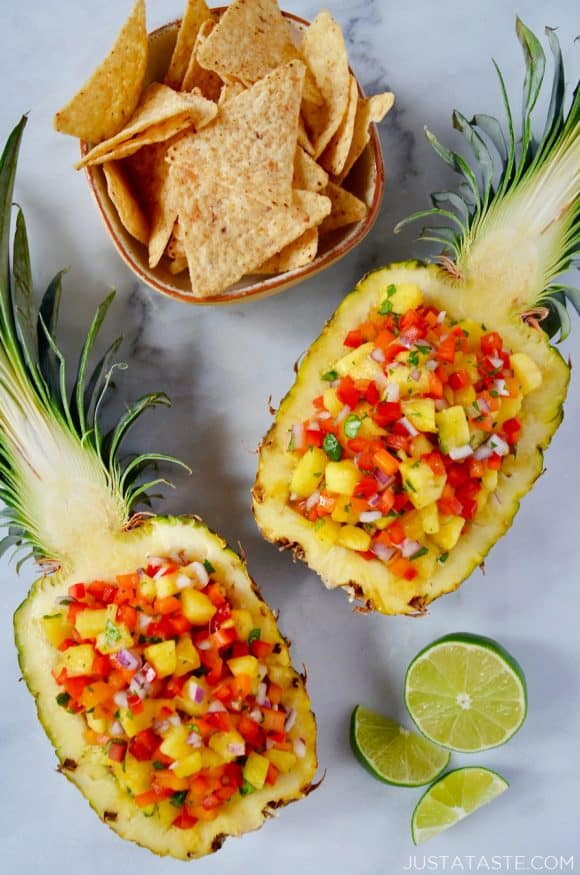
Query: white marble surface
(220, 366)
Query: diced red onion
(415, 375)
(482, 453)
(369, 516)
(204, 645)
(326, 501)
(441, 404)
(269, 744)
(298, 435)
(483, 405)
(128, 660)
(408, 426)
(405, 341)
(313, 425)
(182, 581)
(300, 748)
(342, 415)
(160, 572)
(194, 739)
(431, 365)
(149, 673)
(374, 500)
(290, 720)
(324, 414)
(392, 392)
(261, 694)
(441, 317)
(156, 560)
(236, 704)
(498, 445)
(383, 479)
(200, 571)
(137, 686)
(116, 729)
(143, 621)
(381, 382)
(501, 388)
(174, 720)
(312, 500)
(195, 692)
(216, 706)
(458, 453)
(262, 670)
(256, 715)
(383, 552)
(495, 361)
(161, 726)
(120, 699)
(409, 547)
(377, 354)
(237, 749)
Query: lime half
(453, 797)
(394, 754)
(466, 693)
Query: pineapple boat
(159, 673)
(419, 417)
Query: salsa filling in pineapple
(404, 446)
(177, 687)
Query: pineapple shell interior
(371, 581)
(87, 766)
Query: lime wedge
(466, 693)
(393, 754)
(453, 797)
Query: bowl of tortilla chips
(231, 154)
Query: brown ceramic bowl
(366, 181)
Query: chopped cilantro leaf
(178, 799)
(332, 448)
(208, 566)
(352, 425)
(247, 788)
(63, 699)
(422, 551)
(443, 558)
(391, 290)
(413, 358)
(386, 307)
(330, 376)
(254, 635)
(112, 633)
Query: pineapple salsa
(404, 446)
(176, 686)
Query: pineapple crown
(58, 469)
(532, 185)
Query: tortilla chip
(175, 251)
(161, 113)
(227, 233)
(253, 140)
(324, 51)
(149, 174)
(251, 39)
(109, 97)
(303, 138)
(196, 13)
(124, 200)
(346, 208)
(334, 156)
(369, 110)
(307, 173)
(196, 76)
(230, 88)
(297, 254)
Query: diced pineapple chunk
(420, 446)
(115, 636)
(223, 742)
(327, 530)
(527, 371)
(474, 331)
(343, 511)
(175, 744)
(284, 760)
(244, 623)
(186, 656)
(430, 519)
(210, 759)
(450, 529)
(369, 429)
(407, 296)
(56, 628)
(135, 723)
(342, 477)
(133, 774)
(91, 623)
(332, 402)
(354, 538)
(423, 486)
(421, 413)
(412, 525)
(97, 724)
(78, 660)
(407, 386)
(197, 607)
(244, 665)
(255, 770)
(147, 588)
(425, 564)
(162, 657)
(359, 365)
(453, 428)
(468, 362)
(489, 479)
(510, 407)
(166, 585)
(189, 765)
(308, 472)
(465, 396)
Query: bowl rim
(277, 283)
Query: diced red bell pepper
(261, 649)
(144, 800)
(402, 567)
(386, 412)
(366, 487)
(446, 349)
(457, 474)
(435, 462)
(272, 774)
(468, 508)
(251, 731)
(240, 648)
(347, 392)
(491, 343)
(143, 745)
(77, 591)
(224, 637)
(273, 720)
(459, 379)
(127, 615)
(396, 533)
(494, 462)
(179, 624)
(76, 686)
(184, 820)
(353, 339)
(220, 720)
(398, 442)
(214, 594)
(117, 751)
(313, 437)
(401, 501)
(386, 502)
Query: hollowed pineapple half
(158, 671)
(518, 229)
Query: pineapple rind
(541, 414)
(86, 766)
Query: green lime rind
(393, 754)
(465, 692)
(453, 797)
